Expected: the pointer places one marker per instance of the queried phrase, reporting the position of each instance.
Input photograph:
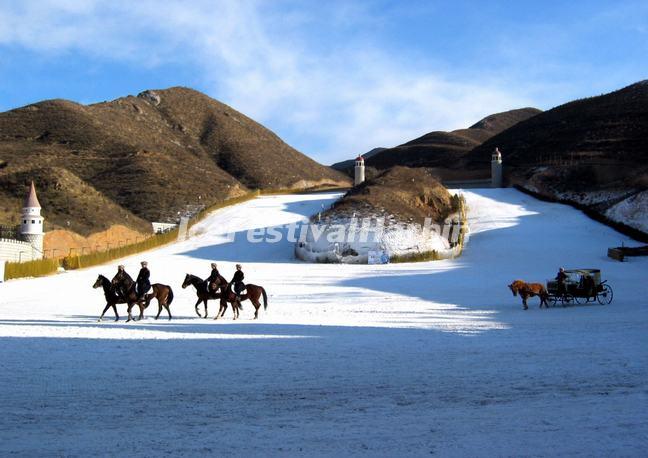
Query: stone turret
(497, 180)
(31, 222)
(359, 171)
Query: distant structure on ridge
(496, 169)
(359, 171)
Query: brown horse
(253, 293)
(204, 296)
(164, 296)
(112, 298)
(528, 290)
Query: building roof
(360, 158)
(30, 199)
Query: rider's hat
(121, 266)
(238, 266)
(144, 263)
(213, 264)
(562, 269)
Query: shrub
(415, 257)
(37, 268)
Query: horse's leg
(205, 301)
(524, 302)
(128, 309)
(166, 306)
(114, 306)
(159, 310)
(198, 311)
(257, 304)
(141, 307)
(104, 311)
(220, 310)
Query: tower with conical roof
(31, 223)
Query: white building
(497, 180)
(359, 171)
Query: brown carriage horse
(527, 290)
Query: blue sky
(331, 78)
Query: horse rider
(212, 279)
(561, 278)
(143, 283)
(237, 281)
(123, 281)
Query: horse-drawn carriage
(580, 287)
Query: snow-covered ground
(405, 359)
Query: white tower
(496, 169)
(31, 224)
(359, 171)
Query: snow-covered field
(405, 359)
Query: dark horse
(112, 298)
(527, 290)
(253, 293)
(204, 296)
(131, 297)
(164, 296)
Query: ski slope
(403, 359)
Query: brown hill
(591, 152)
(609, 129)
(407, 194)
(68, 202)
(155, 155)
(439, 148)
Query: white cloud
(332, 104)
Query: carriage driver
(122, 279)
(237, 281)
(561, 277)
(212, 279)
(143, 284)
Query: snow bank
(348, 241)
(632, 211)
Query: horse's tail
(265, 298)
(169, 296)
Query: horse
(253, 293)
(527, 290)
(112, 298)
(204, 296)
(164, 296)
(132, 297)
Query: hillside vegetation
(400, 194)
(139, 159)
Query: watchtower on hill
(359, 176)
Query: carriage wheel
(551, 300)
(605, 297)
(567, 299)
(581, 299)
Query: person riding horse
(122, 282)
(143, 283)
(561, 278)
(212, 280)
(237, 281)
